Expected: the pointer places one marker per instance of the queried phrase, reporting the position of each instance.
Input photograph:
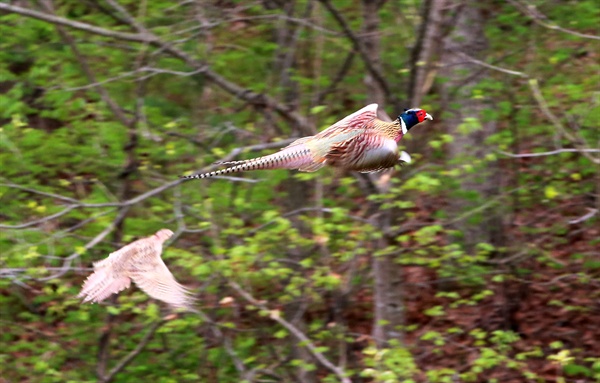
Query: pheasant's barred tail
(295, 157)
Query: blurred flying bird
(139, 261)
(359, 142)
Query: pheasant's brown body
(359, 142)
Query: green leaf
(550, 192)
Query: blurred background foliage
(476, 262)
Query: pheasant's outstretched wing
(102, 284)
(358, 120)
(345, 130)
(110, 274)
(113, 274)
(119, 258)
(156, 280)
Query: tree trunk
(425, 63)
(465, 123)
(371, 43)
(298, 191)
(425, 53)
(387, 275)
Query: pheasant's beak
(428, 116)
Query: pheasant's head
(412, 117)
(163, 234)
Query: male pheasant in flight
(139, 261)
(359, 142)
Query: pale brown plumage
(141, 262)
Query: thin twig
(102, 82)
(306, 342)
(282, 17)
(239, 364)
(97, 239)
(550, 153)
(539, 18)
(46, 194)
(41, 220)
(140, 198)
(137, 37)
(133, 353)
(339, 77)
(541, 101)
(493, 67)
(590, 214)
(309, 209)
(87, 70)
(258, 100)
(358, 45)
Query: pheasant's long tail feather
(292, 157)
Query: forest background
(476, 262)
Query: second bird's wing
(157, 281)
(102, 284)
(111, 275)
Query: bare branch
(41, 220)
(341, 74)
(286, 18)
(258, 100)
(541, 101)
(133, 353)
(239, 364)
(46, 194)
(97, 239)
(102, 82)
(537, 94)
(104, 342)
(87, 70)
(590, 214)
(141, 38)
(493, 67)
(125, 15)
(550, 153)
(133, 201)
(377, 75)
(172, 72)
(275, 315)
(57, 236)
(7, 272)
(258, 147)
(539, 18)
(309, 209)
(126, 203)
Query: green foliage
(304, 243)
(389, 365)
